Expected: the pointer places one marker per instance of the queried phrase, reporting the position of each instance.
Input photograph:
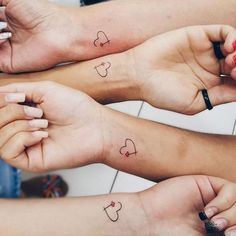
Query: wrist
(79, 45)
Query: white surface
(219, 120)
(98, 179)
(67, 2)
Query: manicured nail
(41, 123)
(3, 25)
(211, 211)
(234, 45)
(15, 97)
(40, 134)
(211, 227)
(221, 224)
(230, 233)
(33, 112)
(5, 35)
(234, 60)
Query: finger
(222, 33)
(18, 143)
(230, 61)
(6, 98)
(4, 2)
(15, 127)
(225, 218)
(226, 198)
(14, 112)
(221, 94)
(34, 90)
(231, 231)
(233, 73)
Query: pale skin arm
(164, 151)
(117, 86)
(71, 216)
(129, 23)
(168, 208)
(71, 38)
(158, 71)
(86, 132)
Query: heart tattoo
(101, 39)
(103, 68)
(112, 211)
(129, 148)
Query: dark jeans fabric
(10, 181)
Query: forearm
(71, 216)
(106, 79)
(158, 151)
(129, 23)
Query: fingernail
(5, 35)
(230, 233)
(234, 45)
(33, 112)
(211, 227)
(40, 134)
(39, 123)
(15, 97)
(234, 60)
(3, 25)
(221, 224)
(211, 211)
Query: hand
(173, 206)
(173, 68)
(42, 35)
(73, 117)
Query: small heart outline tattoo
(101, 35)
(102, 69)
(127, 153)
(112, 204)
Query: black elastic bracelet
(217, 50)
(90, 2)
(207, 99)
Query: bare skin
(71, 37)
(169, 208)
(98, 134)
(168, 71)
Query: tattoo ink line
(101, 39)
(129, 148)
(112, 205)
(102, 69)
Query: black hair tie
(207, 99)
(217, 50)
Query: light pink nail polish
(234, 61)
(15, 97)
(231, 233)
(41, 123)
(221, 224)
(40, 134)
(33, 112)
(211, 211)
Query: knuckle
(13, 110)
(3, 155)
